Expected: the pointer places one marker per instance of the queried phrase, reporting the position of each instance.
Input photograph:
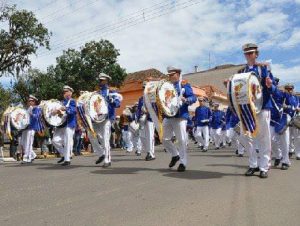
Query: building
(213, 77)
(132, 88)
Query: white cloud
(293, 40)
(286, 74)
(182, 38)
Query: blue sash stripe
(250, 121)
(82, 115)
(230, 97)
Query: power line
(71, 12)
(133, 21)
(111, 23)
(60, 10)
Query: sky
(181, 33)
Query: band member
(101, 143)
(262, 141)
(290, 104)
(146, 128)
(217, 121)
(35, 125)
(135, 133)
(284, 109)
(202, 118)
(126, 119)
(63, 136)
(177, 125)
(296, 133)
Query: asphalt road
(213, 191)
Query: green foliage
(21, 38)
(78, 69)
(5, 99)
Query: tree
(80, 69)
(5, 99)
(23, 36)
(42, 85)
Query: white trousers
(101, 142)
(147, 138)
(136, 141)
(26, 143)
(217, 136)
(230, 133)
(241, 142)
(127, 137)
(176, 126)
(202, 136)
(296, 139)
(280, 145)
(263, 142)
(63, 141)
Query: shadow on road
(230, 165)
(188, 174)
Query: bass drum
(164, 94)
(48, 108)
(246, 99)
(95, 106)
(19, 117)
(283, 123)
(245, 89)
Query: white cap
(103, 76)
(172, 70)
(31, 97)
(68, 88)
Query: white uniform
(101, 143)
(178, 127)
(63, 141)
(202, 136)
(263, 142)
(147, 138)
(26, 143)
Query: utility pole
(209, 60)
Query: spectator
(77, 141)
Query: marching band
(262, 119)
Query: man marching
(217, 121)
(101, 143)
(177, 125)
(146, 128)
(35, 125)
(63, 136)
(260, 162)
(202, 118)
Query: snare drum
(296, 121)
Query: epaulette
(113, 89)
(184, 82)
(264, 64)
(242, 70)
